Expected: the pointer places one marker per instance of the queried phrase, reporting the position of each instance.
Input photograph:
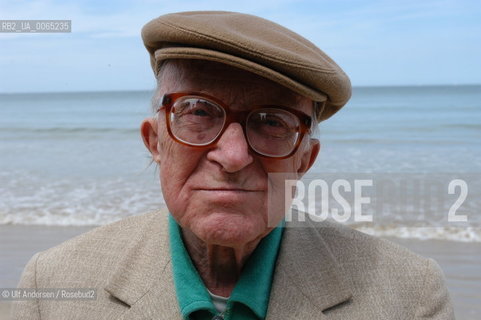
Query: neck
(218, 266)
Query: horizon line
(147, 90)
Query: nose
(232, 150)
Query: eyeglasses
(198, 120)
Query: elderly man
(238, 99)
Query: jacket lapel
(308, 280)
(143, 280)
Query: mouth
(228, 190)
(230, 196)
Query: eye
(269, 124)
(200, 112)
(196, 120)
(192, 114)
(272, 124)
(272, 121)
(196, 107)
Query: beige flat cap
(253, 44)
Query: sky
(377, 43)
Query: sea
(77, 158)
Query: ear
(150, 136)
(308, 157)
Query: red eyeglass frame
(168, 100)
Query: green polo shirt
(250, 296)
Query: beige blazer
(324, 272)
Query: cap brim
(211, 55)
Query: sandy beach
(459, 260)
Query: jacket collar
(144, 273)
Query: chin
(231, 232)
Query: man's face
(220, 193)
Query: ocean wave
(33, 201)
(461, 234)
(101, 216)
(72, 215)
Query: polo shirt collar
(254, 285)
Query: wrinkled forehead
(230, 84)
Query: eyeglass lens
(269, 131)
